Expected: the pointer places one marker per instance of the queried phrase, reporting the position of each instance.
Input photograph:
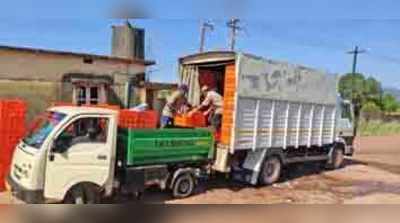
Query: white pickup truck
(80, 155)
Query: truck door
(80, 152)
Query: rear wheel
(83, 194)
(271, 171)
(183, 186)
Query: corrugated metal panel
(282, 124)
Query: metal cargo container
(282, 105)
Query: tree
(359, 90)
(370, 110)
(373, 90)
(389, 103)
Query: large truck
(274, 114)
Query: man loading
(214, 102)
(174, 104)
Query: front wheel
(337, 159)
(271, 171)
(183, 186)
(83, 194)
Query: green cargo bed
(165, 146)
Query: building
(42, 76)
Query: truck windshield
(346, 111)
(41, 128)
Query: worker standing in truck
(213, 101)
(175, 104)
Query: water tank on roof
(128, 41)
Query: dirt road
(371, 176)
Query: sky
(312, 33)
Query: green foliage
(389, 103)
(353, 88)
(379, 128)
(370, 107)
(370, 110)
(364, 91)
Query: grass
(379, 128)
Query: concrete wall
(17, 65)
(38, 77)
(38, 94)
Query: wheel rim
(271, 171)
(184, 186)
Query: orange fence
(12, 129)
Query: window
(89, 94)
(84, 130)
(81, 96)
(94, 95)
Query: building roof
(75, 54)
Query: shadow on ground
(222, 181)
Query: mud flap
(253, 163)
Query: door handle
(102, 157)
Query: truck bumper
(28, 196)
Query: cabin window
(84, 131)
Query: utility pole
(233, 24)
(204, 26)
(355, 53)
(356, 103)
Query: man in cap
(214, 102)
(174, 104)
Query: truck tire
(271, 171)
(336, 161)
(83, 194)
(183, 186)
